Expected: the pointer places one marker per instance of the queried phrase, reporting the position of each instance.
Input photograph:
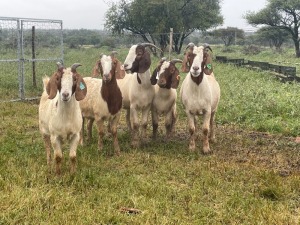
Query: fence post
(22, 78)
(171, 42)
(33, 57)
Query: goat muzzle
(106, 78)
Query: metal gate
(29, 49)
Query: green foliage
(153, 20)
(279, 14)
(229, 35)
(272, 35)
(251, 50)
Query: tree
(273, 35)
(152, 19)
(281, 14)
(229, 35)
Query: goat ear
(175, 79)
(208, 69)
(120, 72)
(80, 89)
(184, 66)
(153, 77)
(144, 63)
(52, 86)
(96, 69)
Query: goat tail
(45, 82)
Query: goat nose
(196, 68)
(65, 95)
(125, 65)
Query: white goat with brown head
(104, 99)
(166, 79)
(137, 90)
(200, 94)
(59, 113)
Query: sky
(90, 14)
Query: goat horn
(163, 59)
(190, 45)
(146, 44)
(59, 66)
(174, 61)
(100, 56)
(207, 46)
(113, 53)
(74, 66)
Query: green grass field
(252, 177)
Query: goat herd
(69, 99)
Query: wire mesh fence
(28, 48)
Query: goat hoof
(135, 144)
(207, 151)
(212, 140)
(192, 147)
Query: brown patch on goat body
(111, 92)
(198, 79)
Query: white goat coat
(58, 118)
(139, 96)
(164, 100)
(204, 96)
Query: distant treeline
(75, 38)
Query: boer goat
(167, 78)
(59, 113)
(104, 100)
(137, 90)
(120, 73)
(200, 94)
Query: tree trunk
(297, 48)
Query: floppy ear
(96, 69)
(175, 79)
(52, 85)
(153, 77)
(80, 88)
(184, 67)
(145, 62)
(120, 72)
(208, 69)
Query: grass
(251, 178)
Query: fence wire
(28, 48)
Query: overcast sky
(89, 14)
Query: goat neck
(110, 90)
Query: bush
(251, 50)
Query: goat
(200, 95)
(137, 90)
(59, 113)
(167, 78)
(120, 73)
(103, 100)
